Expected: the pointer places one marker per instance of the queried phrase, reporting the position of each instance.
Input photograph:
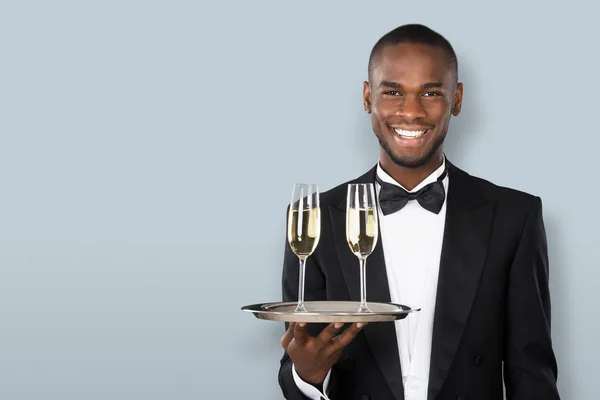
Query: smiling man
(472, 255)
(412, 91)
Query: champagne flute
(303, 229)
(362, 230)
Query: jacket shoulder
(336, 195)
(505, 195)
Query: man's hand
(313, 357)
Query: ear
(367, 97)
(457, 102)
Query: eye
(430, 94)
(392, 93)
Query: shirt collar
(384, 176)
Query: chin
(407, 162)
(400, 158)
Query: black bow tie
(431, 197)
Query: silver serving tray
(329, 311)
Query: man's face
(411, 95)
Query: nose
(410, 109)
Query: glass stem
(300, 307)
(363, 286)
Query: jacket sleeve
(530, 367)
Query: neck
(408, 177)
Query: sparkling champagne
(304, 230)
(361, 230)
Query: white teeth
(409, 134)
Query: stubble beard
(408, 163)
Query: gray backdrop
(148, 150)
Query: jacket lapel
(381, 336)
(466, 238)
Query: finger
(329, 332)
(345, 338)
(288, 336)
(300, 332)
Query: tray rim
(324, 317)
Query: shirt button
(364, 397)
(479, 361)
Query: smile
(410, 134)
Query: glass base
(300, 308)
(364, 309)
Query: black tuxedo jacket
(492, 314)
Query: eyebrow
(433, 85)
(390, 84)
(396, 85)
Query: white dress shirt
(412, 244)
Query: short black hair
(414, 34)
